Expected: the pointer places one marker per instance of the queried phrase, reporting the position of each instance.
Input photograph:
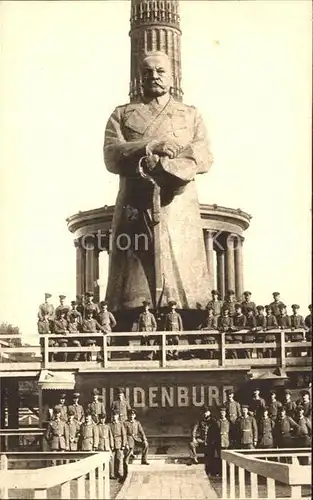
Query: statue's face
(156, 76)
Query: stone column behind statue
(172, 137)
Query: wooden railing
(107, 354)
(264, 466)
(23, 438)
(79, 475)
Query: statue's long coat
(131, 275)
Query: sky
(246, 66)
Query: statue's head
(156, 74)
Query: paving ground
(166, 482)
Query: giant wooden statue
(157, 147)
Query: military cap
(79, 297)
(145, 303)
(275, 294)
(273, 392)
(63, 311)
(95, 392)
(282, 306)
(299, 408)
(287, 391)
(76, 395)
(172, 303)
(89, 310)
(256, 389)
(90, 341)
(48, 295)
(231, 292)
(88, 413)
(57, 409)
(238, 306)
(304, 392)
(268, 307)
(205, 408)
(131, 412)
(214, 292)
(249, 309)
(245, 406)
(62, 296)
(295, 306)
(230, 391)
(225, 307)
(265, 408)
(223, 408)
(247, 293)
(63, 341)
(115, 412)
(89, 294)
(282, 408)
(260, 308)
(63, 396)
(120, 390)
(102, 416)
(103, 303)
(76, 343)
(73, 302)
(71, 412)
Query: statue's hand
(168, 148)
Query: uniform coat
(136, 437)
(275, 305)
(55, 435)
(63, 410)
(122, 407)
(247, 431)
(106, 320)
(131, 275)
(304, 432)
(173, 322)
(282, 431)
(105, 437)
(265, 432)
(147, 322)
(89, 437)
(72, 432)
(46, 309)
(96, 408)
(217, 306)
(290, 407)
(78, 411)
(273, 408)
(233, 410)
(118, 434)
(256, 406)
(224, 428)
(245, 305)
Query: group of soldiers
(73, 428)
(282, 424)
(242, 321)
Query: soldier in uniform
(173, 323)
(105, 434)
(119, 444)
(223, 442)
(303, 433)
(55, 433)
(89, 434)
(73, 312)
(283, 321)
(276, 304)
(290, 406)
(63, 408)
(61, 328)
(106, 320)
(257, 404)
(270, 324)
(273, 406)
(72, 432)
(247, 303)
(305, 403)
(296, 323)
(265, 430)
(77, 408)
(209, 323)
(205, 435)
(80, 301)
(62, 306)
(233, 412)
(47, 309)
(90, 305)
(90, 325)
(44, 328)
(96, 407)
(121, 404)
(225, 324)
(251, 326)
(230, 302)
(135, 437)
(215, 303)
(74, 327)
(247, 430)
(260, 321)
(147, 323)
(308, 324)
(284, 426)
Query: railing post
(100, 482)
(163, 345)
(232, 491)
(224, 479)
(282, 349)
(105, 352)
(270, 485)
(40, 494)
(4, 466)
(92, 484)
(46, 353)
(81, 491)
(107, 478)
(242, 486)
(66, 491)
(223, 350)
(296, 491)
(254, 485)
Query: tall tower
(155, 25)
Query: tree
(8, 329)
